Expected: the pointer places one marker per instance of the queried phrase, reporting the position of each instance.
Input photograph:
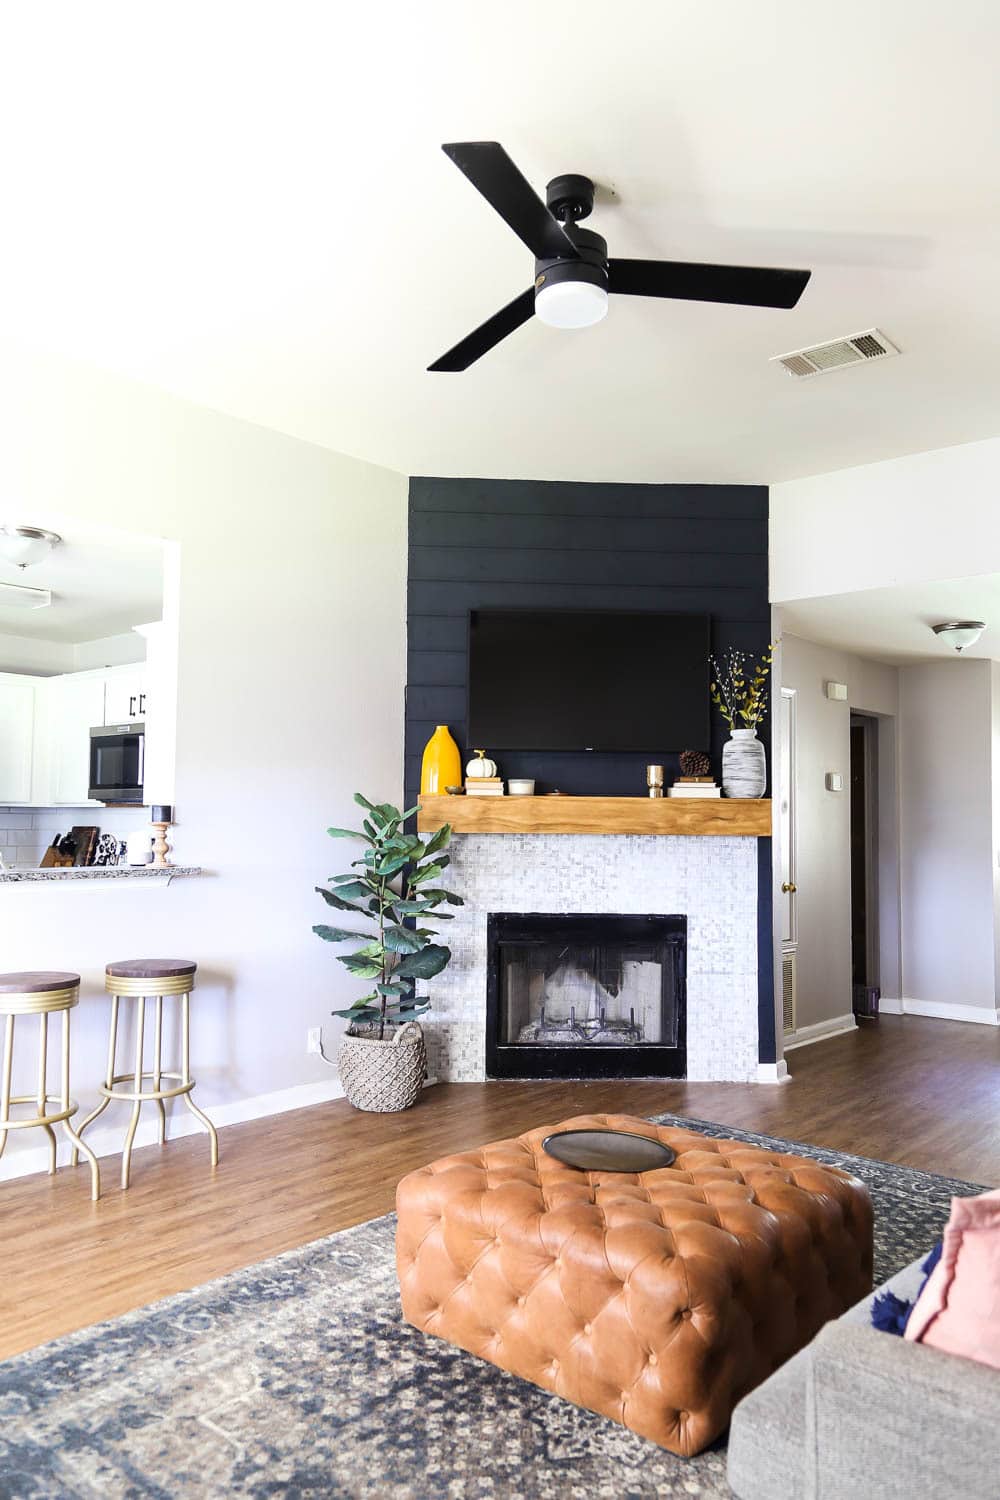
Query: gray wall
(948, 861)
(289, 698)
(823, 822)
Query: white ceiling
(894, 625)
(248, 205)
(101, 585)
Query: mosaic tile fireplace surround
(712, 882)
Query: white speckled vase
(744, 769)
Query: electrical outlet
(314, 1039)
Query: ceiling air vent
(853, 350)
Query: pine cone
(695, 763)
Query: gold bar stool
(143, 979)
(42, 994)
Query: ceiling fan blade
(488, 334)
(750, 286)
(489, 168)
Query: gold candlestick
(654, 780)
(160, 846)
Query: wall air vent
(788, 994)
(853, 350)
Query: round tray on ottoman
(608, 1151)
(657, 1298)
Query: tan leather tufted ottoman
(657, 1299)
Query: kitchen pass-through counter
(70, 873)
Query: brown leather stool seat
(150, 968)
(658, 1299)
(38, 981)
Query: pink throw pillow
(958, 1310)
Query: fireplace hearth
(585, 995)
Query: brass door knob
(789, 886)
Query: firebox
(585, 996)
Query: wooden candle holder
(160, 846)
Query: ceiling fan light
(960, 633)
(571, 304)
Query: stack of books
(484, 786)
(694, 786)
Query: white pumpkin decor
(479, 766)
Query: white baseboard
(107, 1140)
(776, 1072)
(820, 1031)
(982, 1015)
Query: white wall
(823, 822)
(39, 658)
(948, 864)
(995, 849)
(35, 658)
(291, 679)
(109, 651)
(926, 516)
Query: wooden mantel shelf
(685, 816)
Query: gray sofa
(862, 1415)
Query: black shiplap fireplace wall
(480, 543)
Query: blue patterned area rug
(298, 1378)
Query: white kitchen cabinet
(76, 705)
(45, 725)
(17, 734)
(160, 711)
(124, 694)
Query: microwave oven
(117, 753)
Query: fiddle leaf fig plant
(393, 887)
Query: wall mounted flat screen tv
(604, 680)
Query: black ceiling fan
(573, 274)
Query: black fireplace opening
(585, 996)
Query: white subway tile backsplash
(26, 832)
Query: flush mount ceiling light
(24, 545)
(16, 596)
(960, 633)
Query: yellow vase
(441, 766)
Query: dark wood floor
(922, 1093)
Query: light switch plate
(834, 781)
(837, 691)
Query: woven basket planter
(384, 1076)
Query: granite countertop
(100, 872)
